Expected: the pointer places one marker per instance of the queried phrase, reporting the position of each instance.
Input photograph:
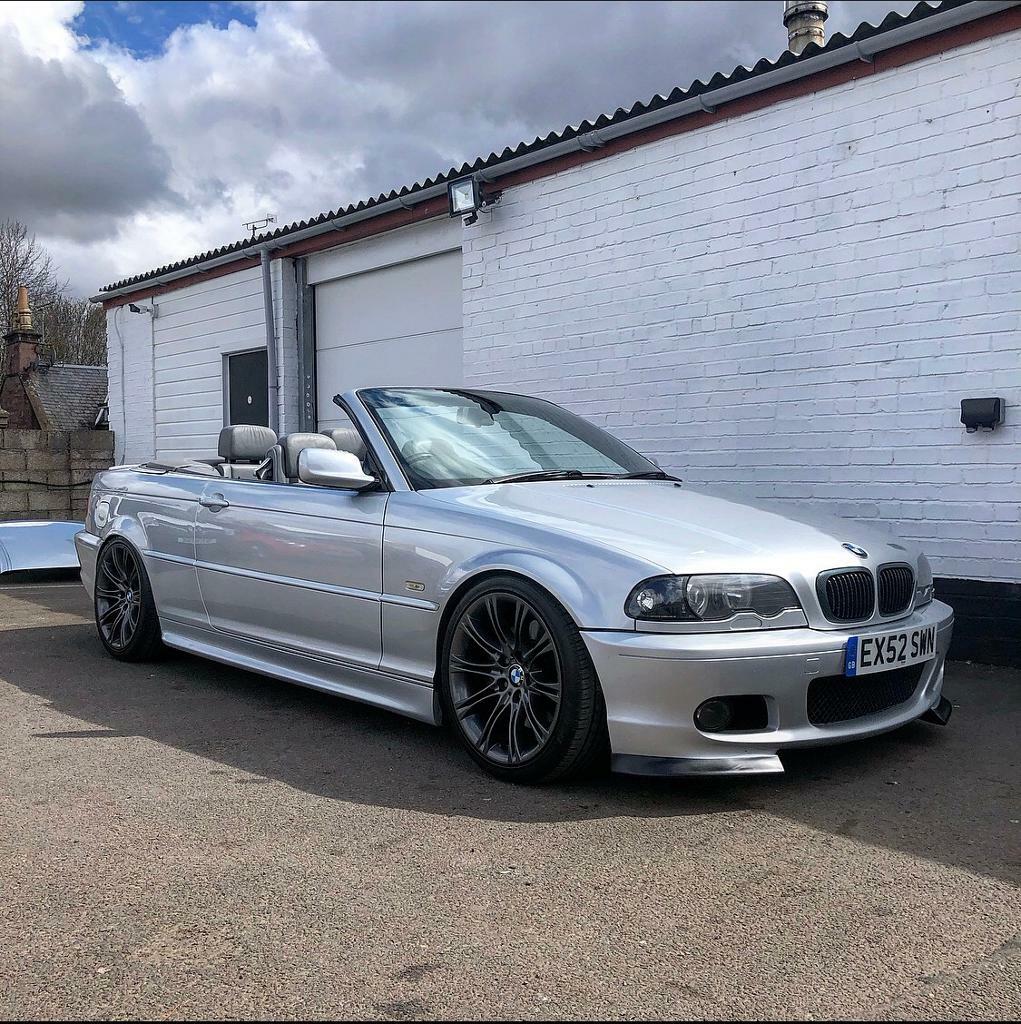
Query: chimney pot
(804, 20)
(21, 342)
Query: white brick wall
(791, 303)
(131, 419)
(196, 326)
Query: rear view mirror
(325, 467)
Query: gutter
(864, 50)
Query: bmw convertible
(494, 563)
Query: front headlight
(924, 588)
(709, 598)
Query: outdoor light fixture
(986, 413)
(464, 198)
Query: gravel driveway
(188, 840)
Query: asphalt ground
(185, 840)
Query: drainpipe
(271, 340)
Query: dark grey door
(248, 388)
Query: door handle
(215, 502)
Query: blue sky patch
(143, 26)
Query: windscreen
(459, 438)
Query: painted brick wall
(129, 365)
(181, 417)
(792, 303)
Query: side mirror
(325, 467)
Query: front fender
(583, 602)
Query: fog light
(713, 715)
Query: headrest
(347, 439)
(245, 443)
(293, 444)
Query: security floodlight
(464, 198)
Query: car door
(293, 566)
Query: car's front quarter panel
(432, 549)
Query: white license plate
(879, 652)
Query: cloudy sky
(136, 134)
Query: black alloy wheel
(519, 686)
(125, 611)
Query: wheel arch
(473, 579)
(127, 529)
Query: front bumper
(652, 683)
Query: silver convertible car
(494, 562)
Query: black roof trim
(864, 31)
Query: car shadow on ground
(946, 794)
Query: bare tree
(74, 329)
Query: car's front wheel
(126, 616)
(518, 685)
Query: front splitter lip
(637, 764)
(750, 764)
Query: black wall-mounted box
(986, 413)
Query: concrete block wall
(790, 304)
(46, 474)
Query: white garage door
(400, 325)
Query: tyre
(126, 617)
(518, 686)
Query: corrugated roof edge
(864, 31)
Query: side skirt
(377, 688)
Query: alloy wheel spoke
(517, 630)
(513, 744)
(469, 665)
(107, 615)
(114, 627)
(470, 704)
(485, 741)
(473, 631)
(493, 613)
(540, 731)
(119, 561)
(125, 631)
(544, 686)
(544, 645)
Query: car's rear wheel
(518, 686)
(126, 616)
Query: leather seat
(284, 454)
(347, 439)
(242, 447)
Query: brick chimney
(804, 21)
(21, 343)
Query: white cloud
(137, 162)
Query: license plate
(879, 652)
